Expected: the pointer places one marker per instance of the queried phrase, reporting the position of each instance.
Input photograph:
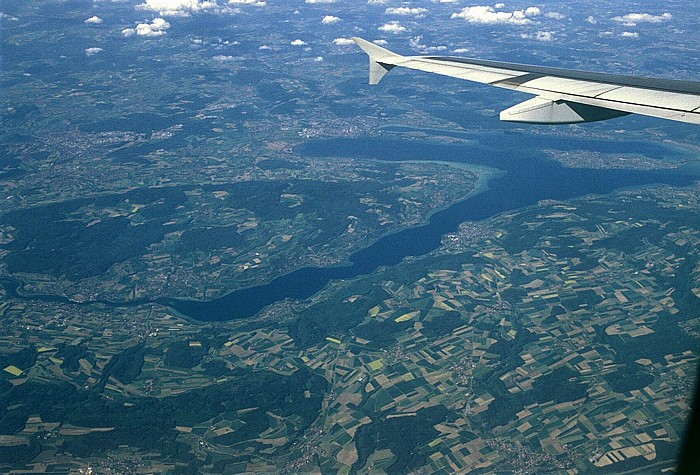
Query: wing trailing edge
(563, 96)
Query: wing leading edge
(563, 96)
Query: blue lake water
(529, 178)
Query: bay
(529, 177)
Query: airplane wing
(563, 96)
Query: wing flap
(670, 114)
(565, 86)
(651, 98)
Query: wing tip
(378, 57)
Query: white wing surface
(563, 96)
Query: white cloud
(499, 6)
(404, 11)
(380, 42)
(318, 59)
(92, 51)
(631, 19)
(298, 42)
(343, 42)
(177, 7)
(417, 44)
(6, 16)
(488, 16)
(592, 20)
(94, 20)
(392, 27)
(462, 50)
(555, 15)
(256, 3)
(330, 19)
(539, 36)
(376, 2)
(630, 34)
(156, 28)
(319, 1)
(224, 58)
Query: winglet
(380, 59)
